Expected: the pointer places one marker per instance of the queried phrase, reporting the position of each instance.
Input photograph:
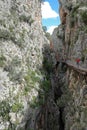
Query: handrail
(75, 67)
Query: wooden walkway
(75, 67)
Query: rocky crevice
(36, 92)
(61, 122)
(53, 109)
(69, 40)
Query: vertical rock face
(75, 34)
(21, 43)
(26, 102)
(72, 40)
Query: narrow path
(69, 63)
(75, 67)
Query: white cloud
(47, 11)
(51, 28)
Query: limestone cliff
(41, 86)
(73, 22)
(71, 41)
(21, 45)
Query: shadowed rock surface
(41, 85)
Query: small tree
(44, 28)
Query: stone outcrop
(21, 44)
(73, 45)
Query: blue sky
(50, 14)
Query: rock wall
(71, 44)
(21, 45)
(41, 86)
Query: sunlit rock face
(21, 43)
(58, 41)
(72, 43)
(73, 21)
(21, 73)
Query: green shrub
(48, 35)
(2, 61)
(27, 89)
(46, 84)
(5, 34)
(31, 79)
(84, 17)
(47, 65)
(17, 107)
(44, 28)
(34, 103)
(27, 19)
(45, 88)
(75, 8)
(31, 21)
(37, 101)
(11, 29)
(24, 18)
(4, 110)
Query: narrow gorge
(43, 83)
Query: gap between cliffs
(52, 113)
